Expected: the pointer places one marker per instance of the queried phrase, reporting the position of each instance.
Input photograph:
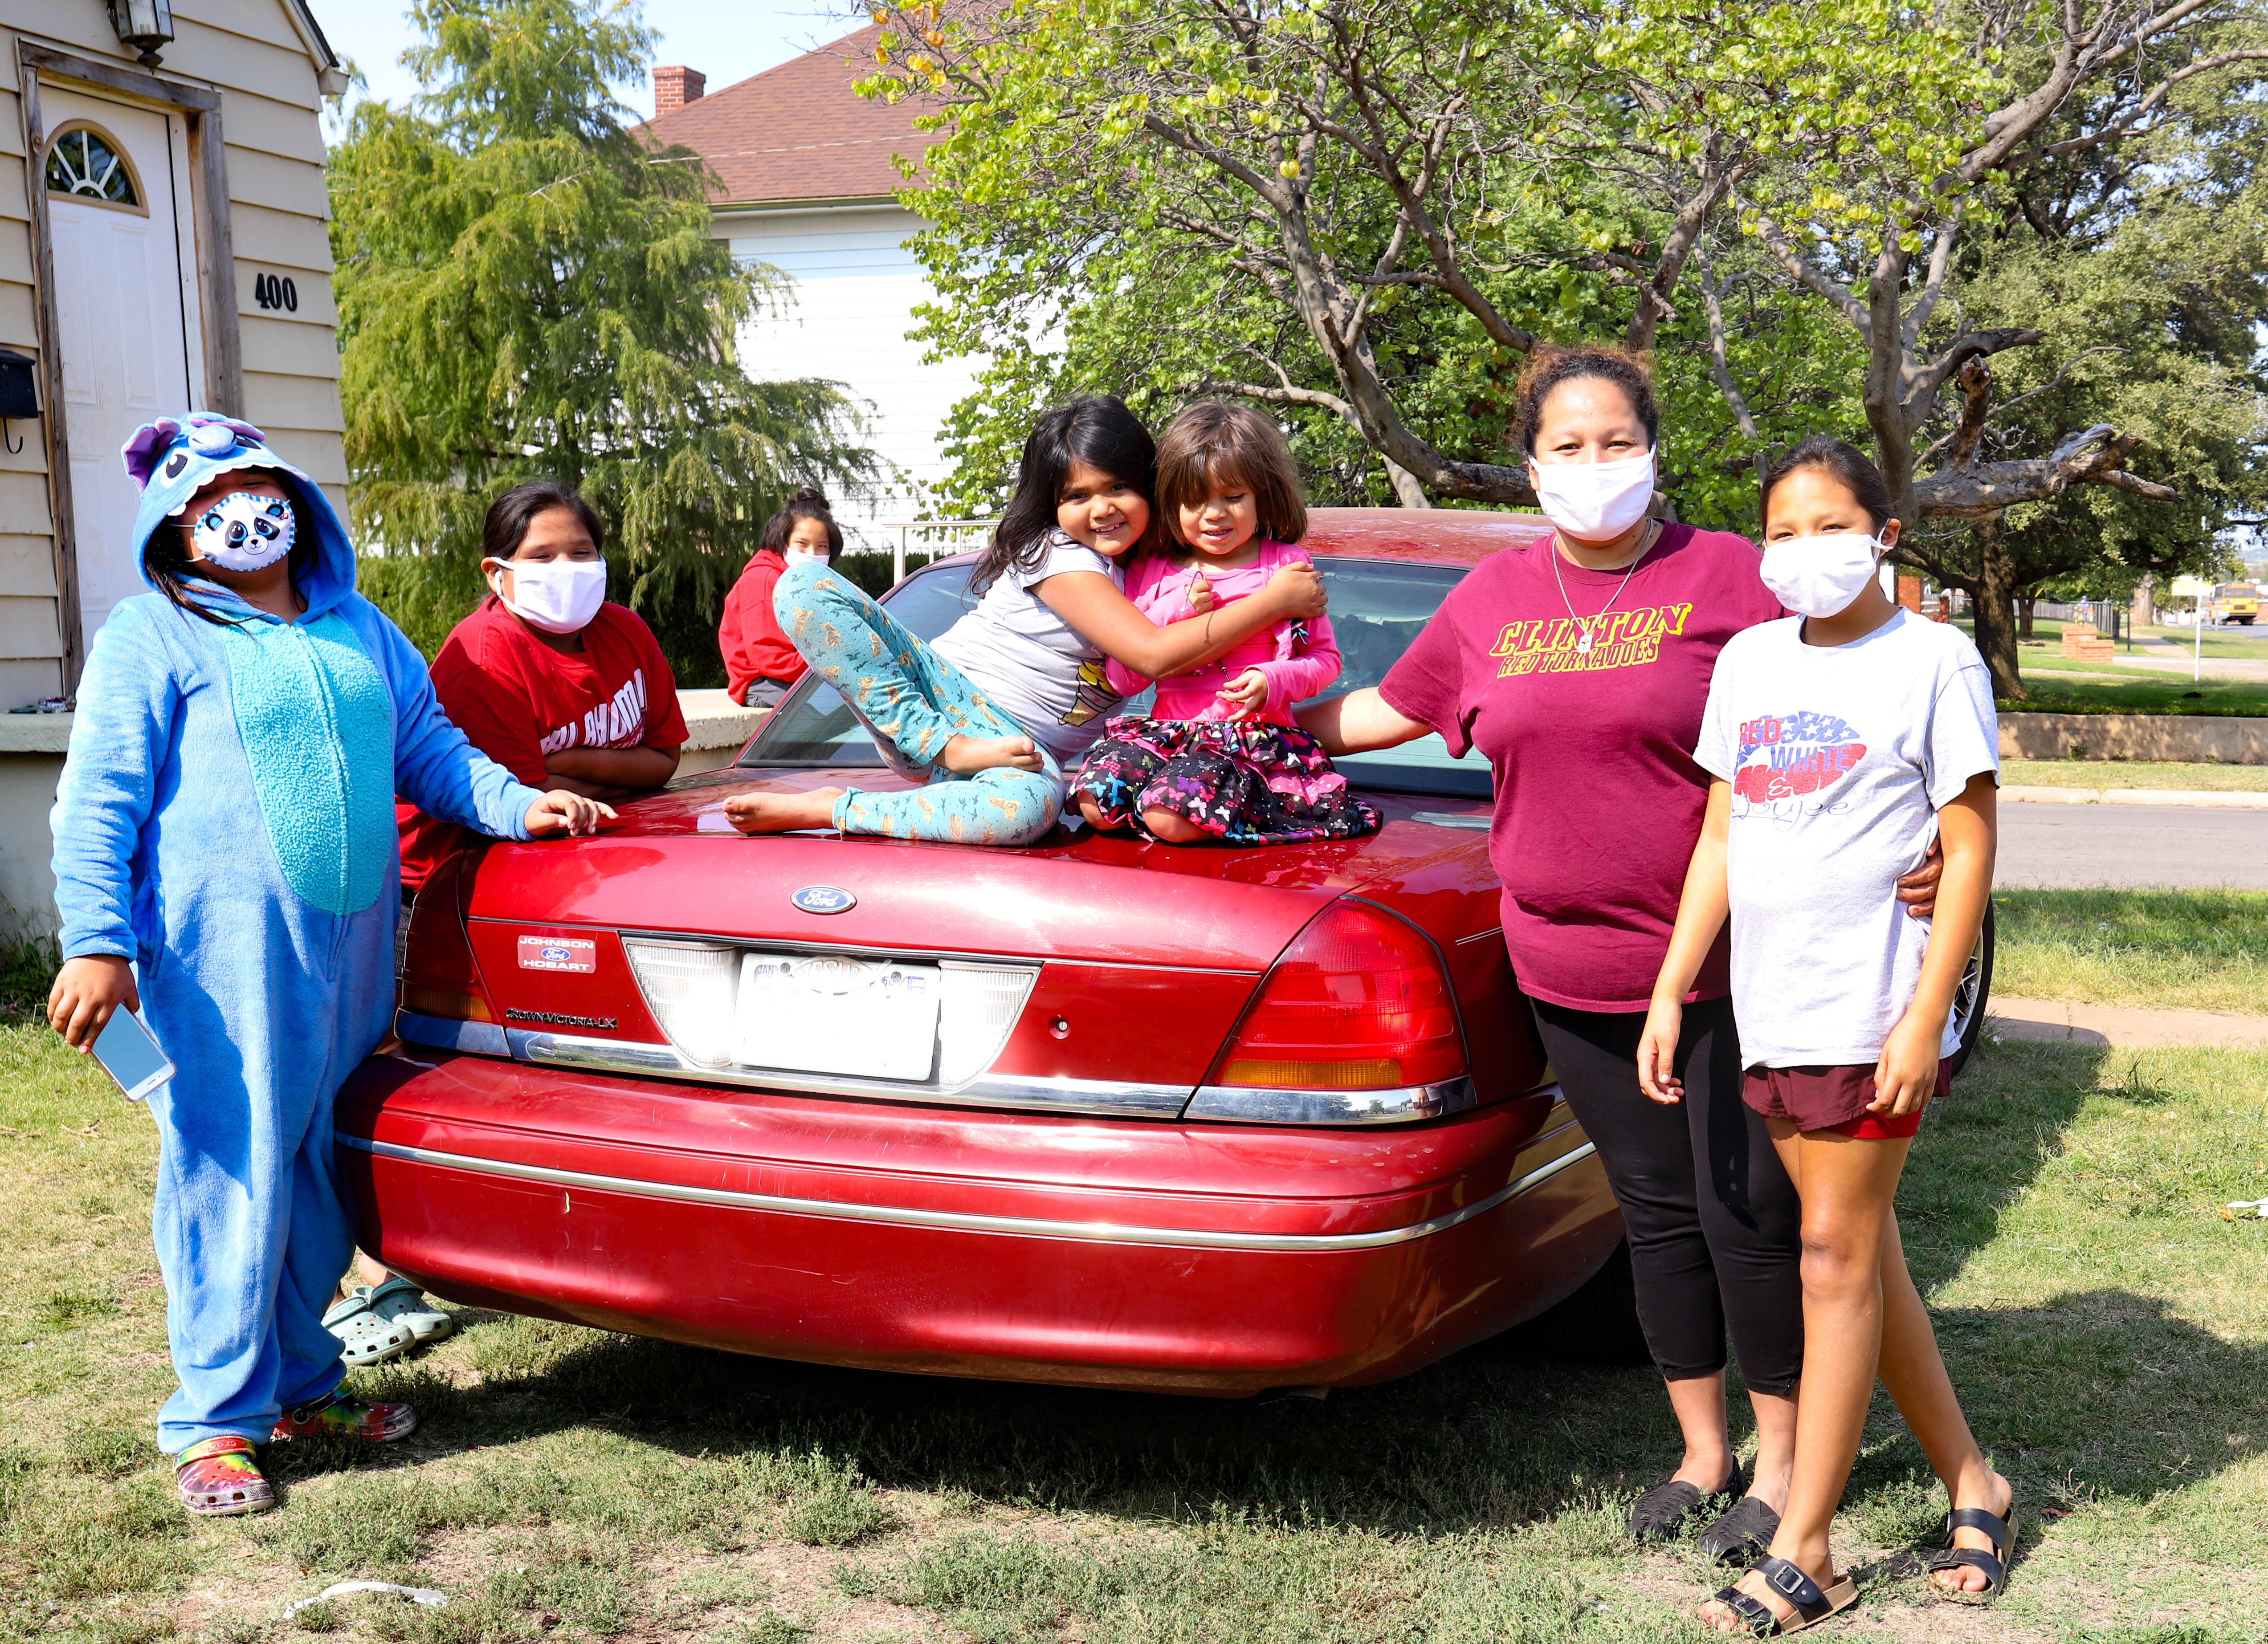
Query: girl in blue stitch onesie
(224, 862)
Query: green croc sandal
(365, 1336)
(404, 1303)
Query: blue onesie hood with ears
(171, 460)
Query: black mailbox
(19, 396)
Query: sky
(725, 40)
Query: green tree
(528, 289)
(1369, 210)
(1913, 255)
(2134, 269)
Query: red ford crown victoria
(1100, 1111)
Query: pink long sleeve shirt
(1298, 659)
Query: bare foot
(780, 814)
(1173, 828)
(1095, 819)
(1995, 1495)
(965, 756)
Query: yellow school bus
(2234, 602)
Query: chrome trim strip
(1269, 1106)
(480, 1038)
(987, 1090)
(866, 950)
(1022, 1227)
(611, 1055)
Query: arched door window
(86, 163)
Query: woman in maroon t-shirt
(1580, 666)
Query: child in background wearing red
(761, 662)
(545, 677)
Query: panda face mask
(244, 531)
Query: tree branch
(1923, 385)
(1794, 262)
(2132, 123)
(2091, 457)
(1720, 370)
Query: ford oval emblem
(824, 899)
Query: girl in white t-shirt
(989, 717)
(1841, 741)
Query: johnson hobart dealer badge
(824, 899)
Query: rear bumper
(1192, 1258)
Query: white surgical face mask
(797, 556)
(245, 530)
(1595, 501)
(1819, 576)
(557, 596)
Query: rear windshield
(1377, 607)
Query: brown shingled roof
(800, 131)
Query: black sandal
(1742, 1534)
(1662, 1512)
(1994, 1564)
(1800, 1592)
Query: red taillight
(1359, 1002)
(440, 976)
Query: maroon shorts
(1832, 1099)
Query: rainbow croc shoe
(380, 1421)
(218, 1476)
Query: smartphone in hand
(130, 1055)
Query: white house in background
(808, 185)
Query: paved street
(2049, 847)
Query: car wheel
(1970, 997)
(1598, 1324)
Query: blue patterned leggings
(912, 701)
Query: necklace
(1583, 640)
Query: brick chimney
(675, 86)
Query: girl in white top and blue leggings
(992, 715)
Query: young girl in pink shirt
(1219, 757)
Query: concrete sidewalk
(2054, 1021)
(2201, 798)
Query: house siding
(253, 54)
(846, 318)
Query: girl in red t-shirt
(545, 677)
(761, 662)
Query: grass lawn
(2055, 684)
(2231, 643)
(2099, 692)
(2108, 1331)
(2194, 950)
(2133, 774)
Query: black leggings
(1701, 1259)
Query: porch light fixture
(144, 25)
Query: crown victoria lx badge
(824, 899)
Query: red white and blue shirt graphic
(1795, 757)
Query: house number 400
(271, 292)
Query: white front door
(116, 178)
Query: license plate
(869, 1019)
